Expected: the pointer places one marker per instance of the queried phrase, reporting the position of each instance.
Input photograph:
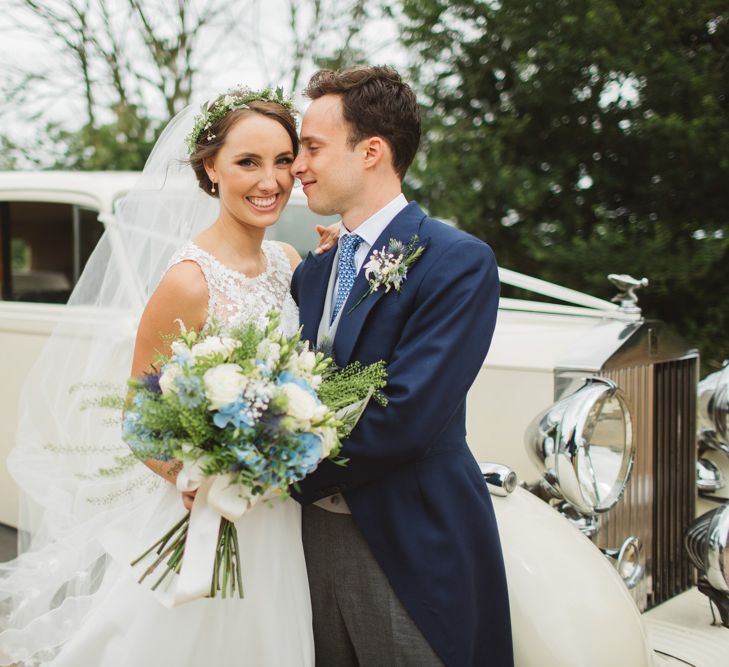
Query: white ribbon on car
(218, 497)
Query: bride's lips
(264, 204)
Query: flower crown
(234, 99)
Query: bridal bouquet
(248, 413)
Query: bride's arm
(182, 294)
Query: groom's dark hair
(375, 102)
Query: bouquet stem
(226, 576)
(182, 523)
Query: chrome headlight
(706, 543)
(628, 561)
(709, 477)
(713, 410)
(500, 479)
(584, 444)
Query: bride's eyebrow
(241, 156)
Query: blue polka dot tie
(347, 270)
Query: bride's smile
(262, 203)
(252, 172)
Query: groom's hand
(329, 236)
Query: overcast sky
(257, 52)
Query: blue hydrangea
(308, 453)
(266, 367)
(237, 414)
(285, 377)
(250, 458)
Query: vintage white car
(605, 457)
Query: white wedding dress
(270, 627)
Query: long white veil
(74, 471)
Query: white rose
(214, 345)
(167, 380)
(223, 385)
(301, 404)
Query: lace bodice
(235, 299)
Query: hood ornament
(627, 297)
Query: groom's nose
(298, 166)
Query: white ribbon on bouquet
(218, 497)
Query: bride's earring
(212, 189)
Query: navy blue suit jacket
(413, 486)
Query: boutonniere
(389, 267)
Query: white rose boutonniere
(389, 267)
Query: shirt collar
(371, 228)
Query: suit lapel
(315, 291)
(403, 227)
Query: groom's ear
(376, 152)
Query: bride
(71, 599)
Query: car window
(43, 249)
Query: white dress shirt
(370, 231)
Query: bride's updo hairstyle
(211, 129)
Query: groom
(402, 548)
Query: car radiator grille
(660, 498)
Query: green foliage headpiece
(234, 99)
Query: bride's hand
(329, 236)
(187, 498)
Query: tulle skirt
(125, 624)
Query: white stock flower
(214, 345)
(307, 361)
(170, 373)
(223, 385)
(268, 351)
(302, 363)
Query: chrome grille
(659, 499)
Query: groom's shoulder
(443, 237)
(311, 259)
